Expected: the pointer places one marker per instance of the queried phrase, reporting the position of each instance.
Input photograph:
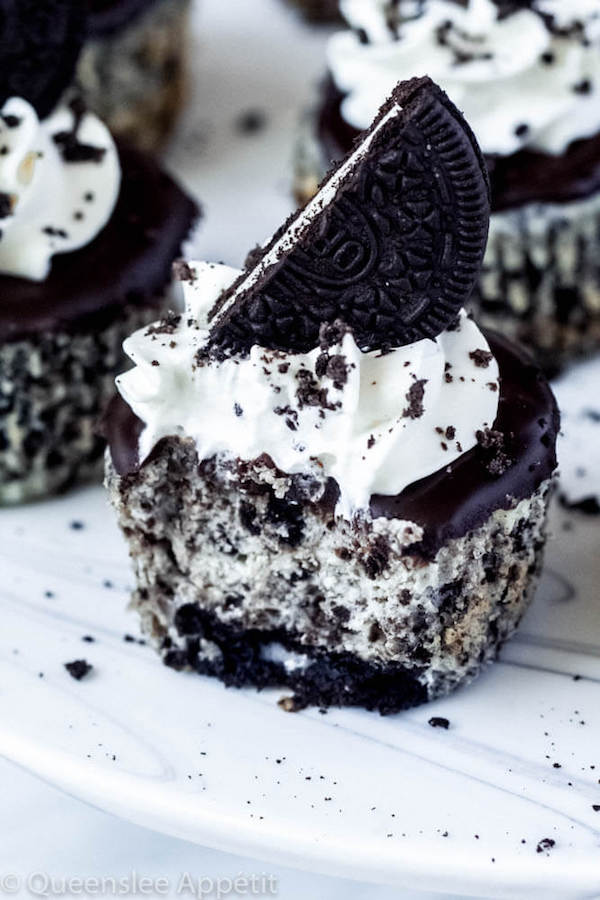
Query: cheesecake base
(246, 574)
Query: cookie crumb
(78, 669)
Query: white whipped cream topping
(370, 437)
(55, 205)
(520, 85)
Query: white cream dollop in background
(506, 86)
(57, 206)
(366, 443)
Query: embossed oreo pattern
(395, 253)
(39, 48)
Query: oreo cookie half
(40, 41)
(392, 243)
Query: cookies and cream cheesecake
(526, 75)
(319, 10)
(328, 476)
(88, 233)
(132, 70)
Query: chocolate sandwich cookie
(40, 45)
(88, 233)
(526, 75)
(133, 68)
(392, 244)
(323, 497)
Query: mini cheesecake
(319, 10)
(527, 77)
(88, 234)
(133, 67)
(329, 478)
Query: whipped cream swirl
(527, 79)
(59, 183)
(374, 422)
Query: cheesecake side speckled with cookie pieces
(133, 68)
(329, 478)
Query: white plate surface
(350, 793)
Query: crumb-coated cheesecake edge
(135, 77)
(54, 388)
(239, 583)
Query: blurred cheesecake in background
(133, 66)
(526, 74)
(89, 229)
(319, 10)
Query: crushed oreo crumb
(6, 206)
(291, 416)
(78, 669)
(167, 325)
(332, 333)
(310, 393)
(439, 722)
(545, 844)
(182, 271)
(414, 398)
(583, 87)
(481, 358)
(251, 121)
(494, 442)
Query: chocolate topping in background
(129, 261)
(40, 41)
(528, 176)
(108, 16)
(395, 253)
(457, 498)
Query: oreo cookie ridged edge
(391, 244)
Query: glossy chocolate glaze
(524, 177)
(129, 262)
(459, 498)
(107, 16)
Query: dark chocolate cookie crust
(127, 265)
